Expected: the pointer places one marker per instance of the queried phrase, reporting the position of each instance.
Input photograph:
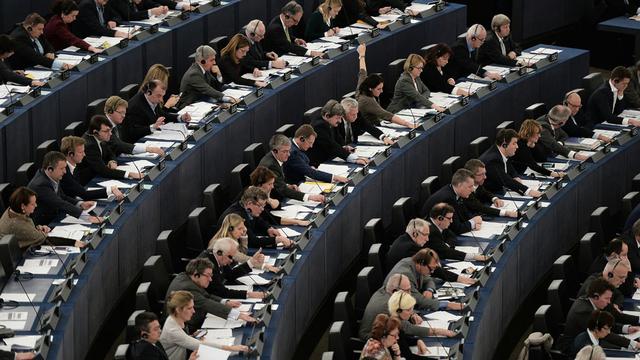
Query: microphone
(17, 276)
(9, 92)
(433, 331)
(53, 250)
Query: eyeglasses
(574, 105)
(261, 206)
(210, 276)
(481, 40)
(123, 113)
(450, 218)
(423, 234)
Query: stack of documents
(26, 341)
(215, 322)
(136, 166)
(510, 205)
(608, 133)
(419, 7)
(501, 70)
(582, 143)
(349, 31)
(71, 59)
(443, 100)
(469, 86)
(14, 89)
(38, 266)
(74, 231)
(198, 110)
(529, 59)
(103, 42)
(237, 93)
(292, 212)
(488, 230)
(295, 60)
(210, 352)
(322, 46)
(369, 151)
(335, 169)
(316, 187)
(417, 112)
(119, 184)
(545, 51)
(265, 74)
(38, 74)
(432, 352)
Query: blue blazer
(297, 167)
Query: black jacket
(491, 53)
(600, 106)
(96, 160)
(25, 55)
(256, 227)
(275, 39)
(224, 276)
(88, 24)
(51, 204)
(463, 63)
(497, 177)
(71, 186)
(461, 214)
(328, 143)
(140, 116)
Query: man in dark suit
(115, 109)
(479, 199)
(52, 201)
(632, 239)
(352, 126)
(500, 172)
(221, 255)
(614, 250)
(278, 38)
(7, 49)
(442, 240)
(100, 160)
(135, 10)
(607, 102)
(632, 92)
(552, 137)
(280, 146)
(418, 269)
(499, 47)
(296, 169)
(196, 280)
(599, 326)
(257, 57)
(329, 144)
(31, 48)
(147, 347)
(259, 232)
(598, 297)
(146, 113)
(454, 194)
(73, 148)
(574, 126)
(465, 59)
(95, 19)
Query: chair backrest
(477, 147)
(164, 250)
(375, 258)
(76, 128)
(448, 167)
(214, 199)
(373, 233)
(198, 231)
(287, 130)
(96, 107)
(239, 179)
(328, 355)
(10, 255)
(364, 289)
(43, 149)
(558, 298)
(343, 311)
(588, 249)
(253, 154)
(128, 91)
(564, 268)
(506, 125)
(218, 43)
(131, 334)
(535, 111)
(351, 94)
(629, 202)
(635, 183)
(402, 212)
(145, 298)
(590, 83)
(426, 48)
(543, 321)
(428, 187)
(155, 272)
(600, 222)
(25, 173)
(309, 115)
(394, 70)
(121, 352)
(339, 341)
(5, 193)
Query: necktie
(286, 33)
(115, 132)
(502, 48)
(34, 42)
(348, 134)
(101, 15)
(615, 98)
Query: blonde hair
(156, 72)
(324, 7)
(178, 300)
(412, 61)
(529, 128)
(230, 222)
(113, 103)
(238, 41)
(400, 300)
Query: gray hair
(616, 263)
(225, 244)
(252, 26)
(559, 114)
(475, 30)
(278, 140)
(349, 104)
(393, 284)
(291, 8)
(499, 20)
(203, 52)
(416, 224)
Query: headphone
(219, 252)
(412, 224)
(255, 28)
(400, 309)
(397, 288)
(332, 108)
(231, 227)
(148, 87)
(145, 335)
(201, 50)
(475, 32)
(302, 138)
(50, 168)
(29, 28)
(610, 273)
(425, 262)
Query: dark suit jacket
(358, 127)
(316, 27)
(198, 86)
(256, 57)
(95, 161)
(224, 275)
(275, 39)
(88, 24)
(576, 323)
(116, 144)
(144, 350)
(524, 158)
(632, 92)
(328, 143)
(444, 243)
(632, 218)
(140, 116)
(616, 299)
(256, 227)
(435, 81)
(461, 214)
(491, 53)
(462, 63)
(579, 342)
(626, 289)
(6, 75)
(615, 8)
(203, 301)
(51, 204)
(403, 246)
(351, 12)
(373, 6)
(232, 72)
(71, 186)
(634, 252)
(280, 186)
(574, 126)
(497, 177)
(297, 167)
(125, 10)
(477, 202)
(551, 139)
(407, 95)
(600, 106)
(25, 54)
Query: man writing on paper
(500, 172)
(575, 124)
(280, 146)
(52, 201)
(296, 169)
(73, 148)
(442, 240)
(203, 80)
(100, 160)
(115, 109)
(465, 59)
(454, 194)
(477, 200)
(552, 136)
(279, 40)
(146, 114)
(196, 279)
(257, 57)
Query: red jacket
(59, 35)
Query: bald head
(573, 102)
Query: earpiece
(231, 227)
(440, 217)
(302, 138)
(145, 335)
(413, 226)
(255, 28)
(399, 309)
(610, 273)
(475, 32)
(29, 28)
(147, 88)
(50, 168)
(219, 253)
(504, 144)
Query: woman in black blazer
(434, 76)
(528, 137)
(322, 22)
(230, 66)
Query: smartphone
(200, 334)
